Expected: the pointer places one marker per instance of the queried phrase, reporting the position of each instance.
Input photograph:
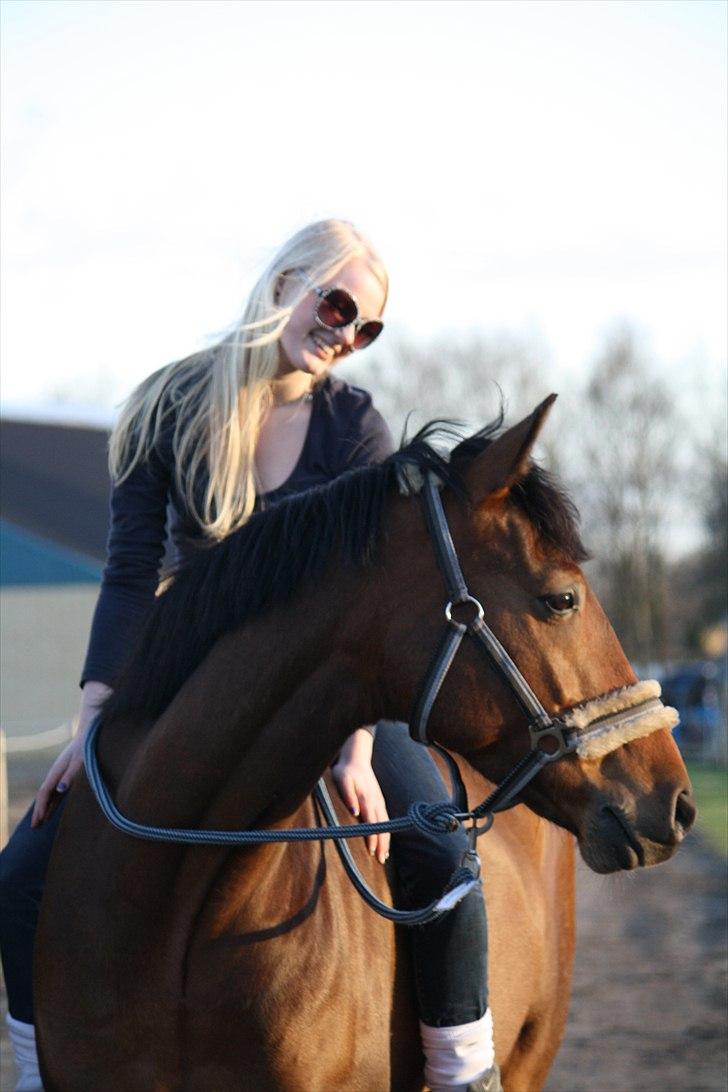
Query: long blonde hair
(218, 398)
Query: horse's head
(625, 792)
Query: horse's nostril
(685, 812)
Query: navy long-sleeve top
(345, 431)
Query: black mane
(262, 564)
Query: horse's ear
(492, 474)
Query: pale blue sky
(538, 166)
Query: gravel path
(649, 1000)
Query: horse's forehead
(504, 531)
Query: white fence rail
(40, 741)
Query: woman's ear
(285, 279)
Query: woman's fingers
(44, 800)
(360, 792)
(347, 790)
(56, 784)
(66, 766)
(374, 810)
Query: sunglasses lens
(337, 308)
(367, 333)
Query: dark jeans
(449, 955)
(23, 867)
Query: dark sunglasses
(337, 308)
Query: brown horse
(197, 969)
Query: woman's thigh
(405, 770)
(24, 860)
(407, 773)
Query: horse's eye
(559, 603)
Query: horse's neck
(284, 759)
(248, 734)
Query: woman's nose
(345, 336)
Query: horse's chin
(613, 845)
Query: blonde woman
(209, 439)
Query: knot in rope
(434, 818)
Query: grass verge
(711, 797)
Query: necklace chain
(307, 396)
(294, 405)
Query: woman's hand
(66, 766)
(359, 788)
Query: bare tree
(628, 444)
(715, 522)
(465, 378)
(700, 580)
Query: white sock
(22, 1039)
(457, 1055)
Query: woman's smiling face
(305, 345)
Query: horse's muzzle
(616, 843)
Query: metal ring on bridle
(551, 741)
(463, 627)
(474, 831)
